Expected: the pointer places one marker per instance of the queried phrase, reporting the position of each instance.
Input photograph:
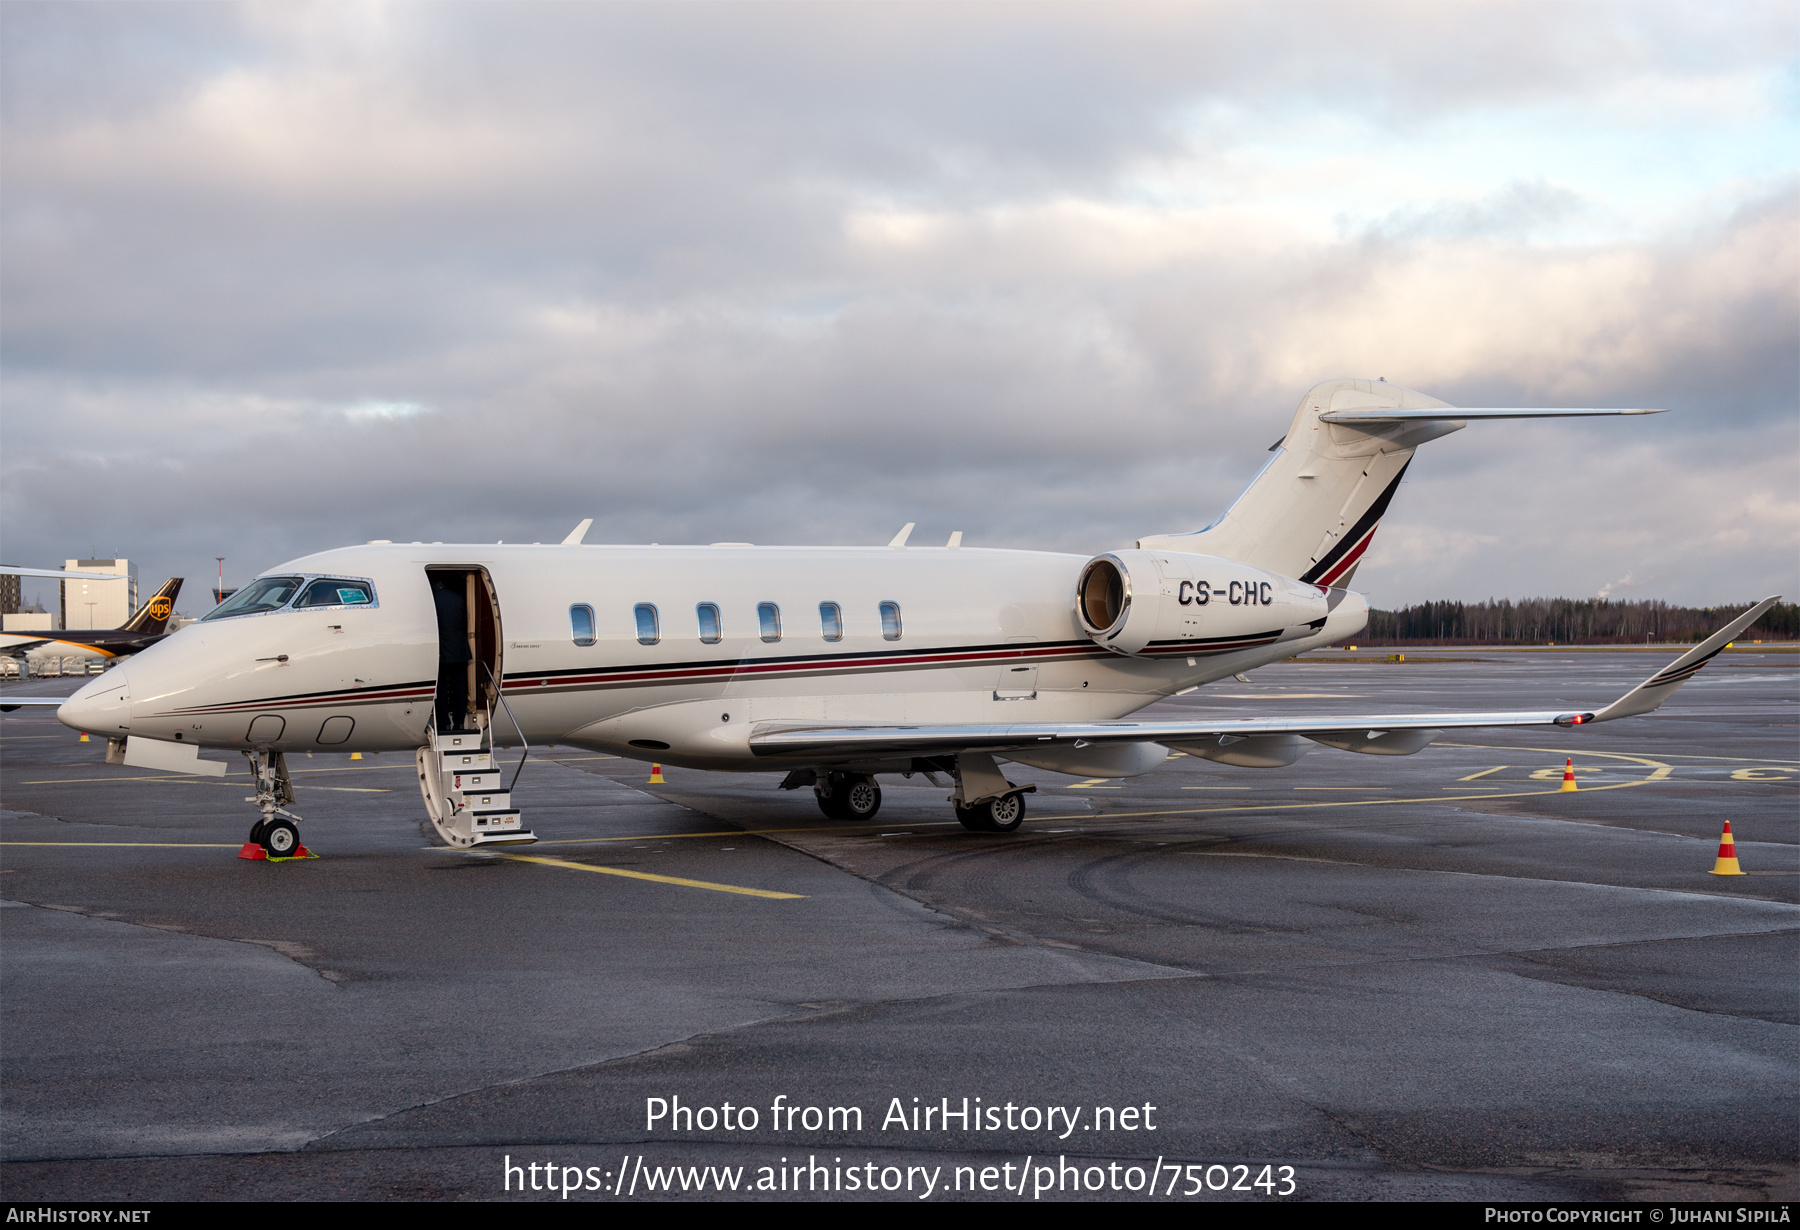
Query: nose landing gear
(275, 835)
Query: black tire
(861, 798)
(971, 818)
(1005, 813)
(257, 832)
(281, 839)
(830, 792)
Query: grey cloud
(613, 250)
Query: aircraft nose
(102, 706)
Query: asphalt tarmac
(1374, 977)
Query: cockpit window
(335, 591)
(266, 594)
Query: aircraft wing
(20, 648)
(9, 703)
(1373, 732)
(58, 572)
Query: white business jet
(832, 665)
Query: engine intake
(1170, 604)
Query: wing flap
(786, 740)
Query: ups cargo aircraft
(830, 665)
(140, 632)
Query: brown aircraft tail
(152, 618)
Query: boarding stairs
(461, 783)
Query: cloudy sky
(282, 277)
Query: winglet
(901, 537)
(1660, 686)
(577, 534)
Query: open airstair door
(480, 639)
(465, 793)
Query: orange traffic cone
(1727, 864)
(656, 777)
(1569, 775)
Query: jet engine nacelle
(1163, 603)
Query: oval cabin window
(646, 624)
(581, 624)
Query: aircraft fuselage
(966, 636)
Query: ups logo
(160, 608)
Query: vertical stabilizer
(1313, 510)
(152, 619)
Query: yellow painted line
(1093, 783)
(1475, 776)
(644, 875)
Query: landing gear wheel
(1005, 813)
(832, 791)
(861, 798)
(258, 833)
(281, 839)
(971, 818)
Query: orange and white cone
(1569, 775)
(656, 777)
(1727, 864)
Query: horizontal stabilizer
(1380, 414)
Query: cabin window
(711, 630)
(831, 621)
(336, 591)
(267, 594)
(890, 621)
(581, 624)
(768, 616)
(646, 624)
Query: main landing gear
(985, 801)
(276, 835)
(847, 796)
(1001, 815)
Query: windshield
(266, 594)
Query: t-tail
(1313, 510)
(152, 619)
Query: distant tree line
(1584, 621)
